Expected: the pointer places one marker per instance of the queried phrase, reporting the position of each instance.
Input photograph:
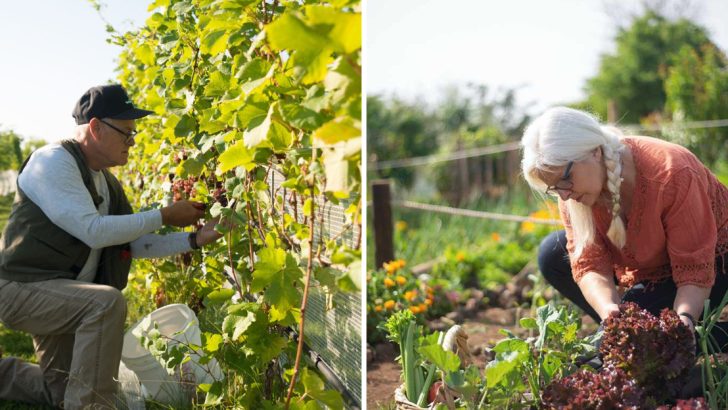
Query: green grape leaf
(145, 54)
(185, 126)
(214, 42)
(344, 29)
(217, 85)
(237, 155)
(337, 130)
(301, 117)
(311, 66)
(277, 274)
(213, 342)
(235, 325)
(289, 32)
(219, 296)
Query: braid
(613, 164)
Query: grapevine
(247, 91)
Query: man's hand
(182, 213)
(208, 234)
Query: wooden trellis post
(383, 229)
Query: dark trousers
(553, 261)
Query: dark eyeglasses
(129, 136)
(564, 184)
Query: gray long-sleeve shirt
(52, 180)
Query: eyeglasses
(129, 136)
(564, 185)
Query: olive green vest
(33, 248)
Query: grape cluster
(183, 188)
(180, 156)
(219, 193)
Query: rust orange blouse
(677, 226)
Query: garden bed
(383, 372)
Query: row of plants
(638, 361)
(418, 235)
(458, 272)
(248, 93)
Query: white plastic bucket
(179, 323)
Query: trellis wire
(473, 213)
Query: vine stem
(307, 280)
(232, 265)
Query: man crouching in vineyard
(66, 252)
(638, 211)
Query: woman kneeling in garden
(639, 212)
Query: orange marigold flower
(414, 309)
(460, 256)
(388, 282)
(495, 237)
(393, 266)
(389, 305)
(378, 308)
(401, 280)
(423, 307)
(389, 267)
(528, 227)
(410, 295)
(428, 302)
(540, 214)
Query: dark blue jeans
(553, 261)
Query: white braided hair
(561, 135)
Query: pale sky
(52, 51)
(414, 48)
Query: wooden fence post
(383, 230)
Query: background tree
(10, 152)
(398, 129)
(697, 90)
(633, 77)
(465, 117)
(472, 117)
(31, 144)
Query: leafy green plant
(258, 109)
(516, 378)
(422, 356)
(522, 368)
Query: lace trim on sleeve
(700, 274)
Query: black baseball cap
(106, 101)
